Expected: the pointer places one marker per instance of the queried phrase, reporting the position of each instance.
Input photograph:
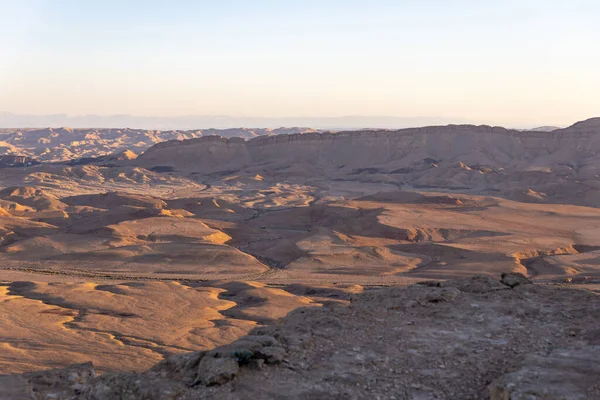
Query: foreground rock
(473, 338)
(563, 374)
(59, 384)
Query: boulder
(217, 370)
(513, 279)
(180, 367)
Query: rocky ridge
(468, 338)
(483, 145)
(560, 166)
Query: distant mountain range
(386, 151)
(62, 144)
(534, 166)
(560, 166)
(10, 120)
(543, 129)
(56, 144)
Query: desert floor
(124, 268)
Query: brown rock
(514, 279)
(217, 370)
(180, 367)
(563, 375)
(131, 386)
(60, 383)
(272, 354)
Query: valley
(125, 259)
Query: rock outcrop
(474, 338)
(563, 374)
(17, 161)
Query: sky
(504, 62)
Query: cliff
(494, 147)
(16, 161)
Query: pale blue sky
(504, 62)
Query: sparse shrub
(243, 357)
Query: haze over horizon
(514, 63)
(192, 122)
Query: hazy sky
(506, 62)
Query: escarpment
(389, 151)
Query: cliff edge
(469, 338)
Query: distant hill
(62, 144)
(544, 129)
(385, 150)
(95, 144)
(533, 166)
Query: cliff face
(481, 145)
(16, 161)
(208, 154)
